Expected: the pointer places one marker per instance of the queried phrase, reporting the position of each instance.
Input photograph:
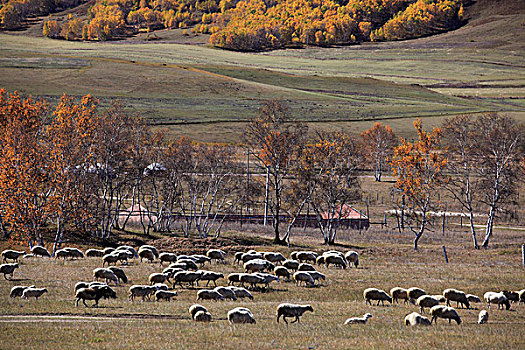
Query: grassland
(387, 260)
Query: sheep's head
(367, 316)
(309, 308)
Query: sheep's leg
(378, 302)
(84, 301)
(76, 303)
(284, 318)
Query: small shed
(134, 213)
(349, 217)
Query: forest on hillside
(249, 25)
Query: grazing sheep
(209, 294)
(242, 293)
(210, 276)
(146, 254)
(171, 271)
(161, 286)
(496, 298)
(121, 275)
(456, 295)
(164, 294)
(79, 285)
(281, 271)
(334, 252)
(217, 255)
(398, 293)
(426, 301)
(189, 277)
(307, 256)
(202, 316)
(109, 259)
(226, 293)
(250, 256)
(442, 311)
(439, 298)
(8, 269)
(291, 264)
(293, 255)
(473, 298)
(123, 256)
(240, 315)
(306, 267)
(158, 278)
(109, 250)
(292, 310)
(189, 264)
(358, 320)
(414, 293)
(141, 291)
(376, 294)
(40, 251)
(335, 260)
(234, 277)
(352, 257)
(258, 265)
(11, 255)
(268, 278)
(415, 319)
(252, 279)
(33, 293)
(75, 253)
(320, 260)
(274, 257)
(90, 253)
(150, 247)
(201, 259)
(521, 294)
(511, 296)
(17, 291)
(94, 294)
(483, 317)
(196, 308)
(303, 276)
(317, 275)
(62, 253)
(128, 249)
(104, 273)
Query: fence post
(445, 254)
(523, 254)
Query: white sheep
(40, 251)
(17, 291)
(252, 279)
(306, 267)
(292, 310)
(209, 294)
(189, 277)
(398, 293)
(128, 249)
(483, 317)
(90, 253)
(141, 291)
(303, 276)
(426, 301)
(511, 296)
(11, 255)
(352, 257)
(109, 259)
(94, 293)
(370, 294)
(258, 265)
(317, 275)
(274, 257)
(8, 269)
(414, 293)
(242, 293)
(234, 277)
(167, 257)
(121, 275)
(210, 276)
(226, 293)
(291, 264)
(281, 271)
(446, 312)
(335, 260)
(202, 316)
(196, 308)
(147, 254)
(33, 293)
(268, 278)
(158, 278)
(164, 295)
(75, 253)
(415, 319)
(216, 254)
(104, 273)
(150, 247)
(496, 298)
(306, 256)
(240, 315)
(456, 295)
(358, 320)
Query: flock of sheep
(260, 270)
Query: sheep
(158, 278)
(202, 316)
(376, 294)
(456, 295)
(226, 293)
(17, 291)
(8, 269)
(473, 298)
(189, 264)
(511, 296)
(268, 278)
(94, 294)
(496, 298)
(79, 285)
(291, 264)
(483, 317)
(209, 294)
(128, 249)
(274, 257)
(335, 260)
(521, 294)
(109, 250)
(352, 257)
(217, 255)
(320, 260)
(106, 274)
(258, 265)
(62, 253)
(305, 267)
(196, 308)
(252, 279)
(75, 253)
(240, 315)
(234, 277)
(439, 298)
(241, 293)
(161, 286)
(146, 254)
(237, 258)
(109, 259)
(164, 294)
(414, 293)
(250, 256)
(141, 291)
(171, 271)
(399, 293)
(334, 252)
(293, 255)
(11, 255)
(40, 251)
(426, 301)
(303, 276)
(189, 277)
(210, 276)
(90, 253)
(415, 319)
(201, 259)
(123, 256)
(152, 248)
(442, 311)
(121, 275)
(358, 320)
(281, 271)
(33, 293)
(307, 256)
(292, 310)
(317, 275)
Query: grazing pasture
(386, 260)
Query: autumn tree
(419, 167)
(378, 144)
(275, 139)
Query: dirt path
(28, 318)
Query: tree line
(78, 167)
